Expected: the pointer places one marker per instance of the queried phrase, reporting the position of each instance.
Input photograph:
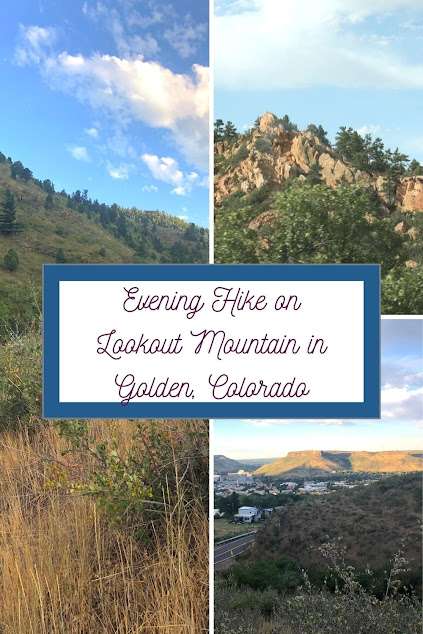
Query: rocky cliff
(271, 155)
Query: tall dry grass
(66, 569)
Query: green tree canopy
(318, 131)
(230, 131)
(415, 168)
(319, 225)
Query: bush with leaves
(20, 380)
(315, 224)
(166, 462)
(262, 145)
(349, 609)
(402, 292)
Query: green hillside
(372, 520)
(59, 227)
(319, 463)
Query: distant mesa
(306, 463)
(222, 464)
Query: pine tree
(218, 130)
(314, 177)
(256, 125)
(230, 131)
(49, 204)
(11, 260)
(320, 132)
(415, 168)
(8, 224)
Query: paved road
(225, 554)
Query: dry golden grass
(65, 569)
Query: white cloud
(412, 25)
(126, 44)
(319, 422)
(118, 173)
(166, 169)
(92, 132)
(79, 153)
(34, 41)
(150, 188)
(310, 43)
(402, 403)
(183, 217)
(368, 129)
(179, 191)
(134, 18)
(130, 90)
(184, 38)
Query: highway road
(224, 554)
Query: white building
(247, 515)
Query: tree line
(363, 152)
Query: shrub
(262, 145)
(167, 462)
(20, 380)
(11, 260)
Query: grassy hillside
(75, 229)
(315, 463)
(222, 464)
(372, 521)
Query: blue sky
(334, 62)
(399, 428)
(110, 96)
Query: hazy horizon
(398, 429)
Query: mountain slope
(373, 522)
(56, 227)
(318, 463)
(222, 464)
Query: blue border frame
(369, 273)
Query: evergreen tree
(11, 260)
(49, 204)
(230, 131)
(48, 186)
(218, 130)
(287, 124)
(396, 167)
(256, 125)
(190, 232)
(318, 131)
(314, 177)
(8, 224)
(415, 168)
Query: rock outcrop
(274, 155)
